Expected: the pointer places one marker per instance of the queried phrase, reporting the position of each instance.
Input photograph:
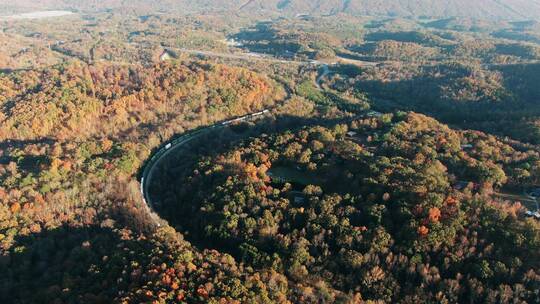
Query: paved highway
(172, 146)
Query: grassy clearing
(292, 175)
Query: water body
(39, 15)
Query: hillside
(154, 153)
(484, 9)
(356, 216)
(514, 9)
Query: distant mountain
(483, 9)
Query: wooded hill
(484, 9)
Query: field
(282, 174)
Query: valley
(296, 151)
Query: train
(175, 142)
(245, 117)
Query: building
(535, 215)
(165, 55)
(374, 114)
(233, 43)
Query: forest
(394, 159)
(365, 209)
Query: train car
(142, 186)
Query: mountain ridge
(497, 9)
(482, 9)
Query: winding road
(170, 147)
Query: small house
(535, 215)
(374, 114)
(165, 55)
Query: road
(324, 67)
(174, 145)
(240, 56)
(171, 147)
(338, 59)
(528, 201)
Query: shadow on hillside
(509, 116)
(236, 132)
(69, 265)
(170, 170)
(16, 143)
(263, 38)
